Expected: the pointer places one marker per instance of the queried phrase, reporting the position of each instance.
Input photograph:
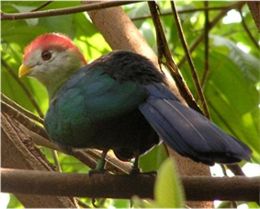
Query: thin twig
(42, 6)
(21, 109)
(206, 48)
(188, 55)
(64, 11)
(55, 157)
(181, 11)
(164, 51)
(248, 32)
(23, 119)
(23, 87)
(235, 5)
(124, 186)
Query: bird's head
(51, 58)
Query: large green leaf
(168, 188)
(231, 90)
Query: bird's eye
(46, 55)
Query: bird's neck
(54, 82)
(53, 85)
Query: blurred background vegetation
(231, 88)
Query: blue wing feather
(187, 131)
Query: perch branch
(64, 11)
(125, 186)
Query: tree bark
(120, 33)
(19, 152)
(114, 186)
(254, 7)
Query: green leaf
(168, 188)
(153, 159)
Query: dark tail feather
(188, 132)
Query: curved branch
(250, 35)
(64, 11)
(21, 109)
(125, 186)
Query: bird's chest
(73, 121)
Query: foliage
(231, 89)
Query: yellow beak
(24, 70)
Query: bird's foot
(100, 166)
(96, 171)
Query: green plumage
(93, 110)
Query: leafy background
(231, 89)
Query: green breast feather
(89, 97)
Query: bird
(120, 102)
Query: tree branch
(125, 186)
(45, 4)
(64, 11)
(254, 7)
(164, 51)
(20, 152)
(206, 47)
(248, 32)
(27, 122)
(188, 56)
(20, 108)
